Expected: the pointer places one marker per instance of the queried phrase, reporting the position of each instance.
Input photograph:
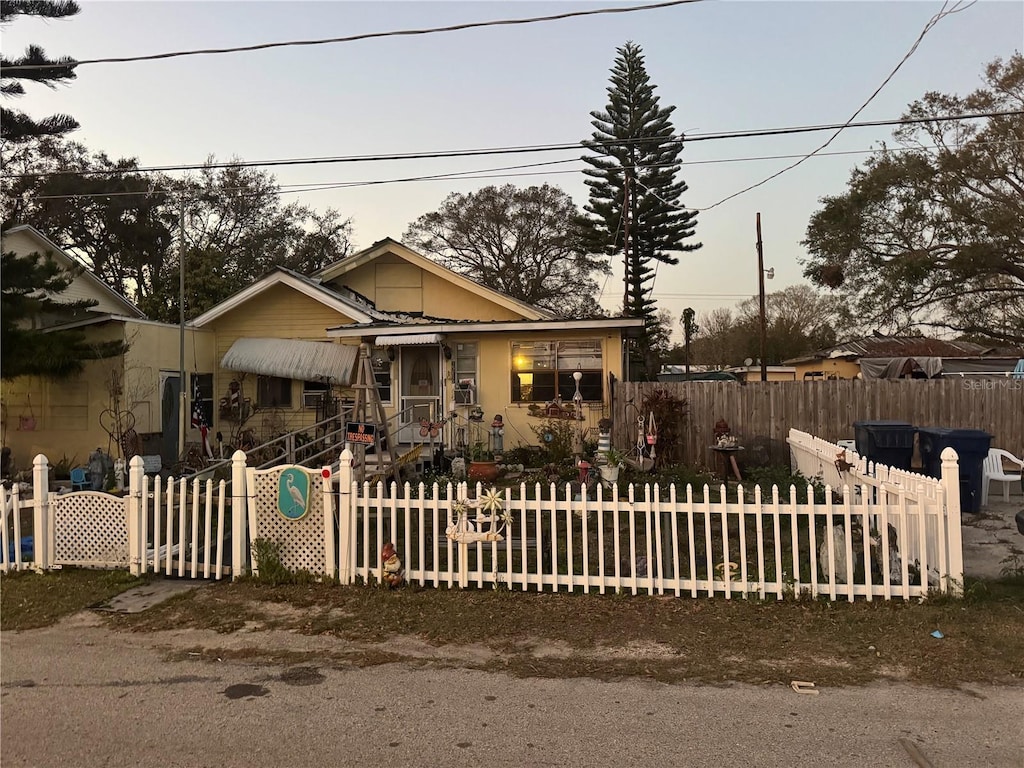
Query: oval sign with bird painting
(293, 493)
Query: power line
(497, 173)
(364, 36)
(522, 149)
(942, 13)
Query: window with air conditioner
(466, 377)
(313, 393)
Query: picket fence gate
(696, 542)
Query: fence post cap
(136, 462)
(238, 456)
(40, 460)
(948, 454)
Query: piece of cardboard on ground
(138, 599)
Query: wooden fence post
(345, 518)
(239, 514)
(951, 486)
(136, 544)
(41, 534)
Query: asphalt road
(78, 695)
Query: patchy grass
(609, 637)
(29, 600)
(569, 635)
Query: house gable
(25, 240)
(283, 297)
(397, 279)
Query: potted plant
(612, 461)
(482, 466)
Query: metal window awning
(408, 339)
(293, 359)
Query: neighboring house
(904, 357)
(69, 418)
(753, 372)
(442, 348)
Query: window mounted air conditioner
(465, 392)
(312, 399)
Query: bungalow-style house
(444, 350)
(874, 357)
(280, 354)
(132, 397)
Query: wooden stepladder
(368, 409)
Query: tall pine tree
(635, 203)
(34, 66)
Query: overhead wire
(498, 173)
(941, 14)
(362, 36)
(524, 149)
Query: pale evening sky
(726, 66)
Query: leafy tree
(798, 320)
(125, 225)
(931, 236)
(120, 222)
(524, 242)
(16, 126)
(31, 288)
(635, 197)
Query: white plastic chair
(992, 469)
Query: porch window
(467, 381)
(543, 370)
(273, 392)
(381, 364)
(201, 393)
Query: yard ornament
(489, 512)
(392, 572)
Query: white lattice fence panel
(90, 528)
(302, 541)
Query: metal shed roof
(293, 359)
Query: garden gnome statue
(459, 468)
(498, 433)
(97, 469)
(392, 572)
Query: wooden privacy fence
(762, 413)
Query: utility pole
(760, 284)
(625, 244)
(687, 331)
(183, 395)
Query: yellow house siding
(69, 413)
(80, 288)
(837, 368)
(155, 348)
(395, 285)
(495, 379)
(280, 312)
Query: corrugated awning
(408, 339)
(293, 359)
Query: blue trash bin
(971, 446)
(885, 442)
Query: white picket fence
(696, 542)
(936, 501)
(173, 527)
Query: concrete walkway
(992, 543)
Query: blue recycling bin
(885, 442)
(971, 446)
